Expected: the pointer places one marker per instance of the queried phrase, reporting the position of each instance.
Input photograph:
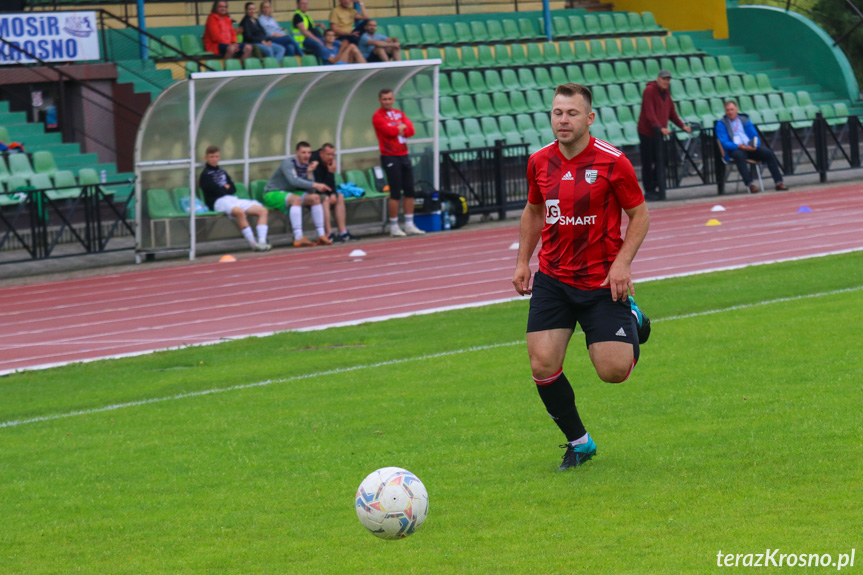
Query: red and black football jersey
(583, 200)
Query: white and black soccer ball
(392, 503)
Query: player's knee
(543, 367)
(614, 373)
(314, 199)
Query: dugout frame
(256, 117)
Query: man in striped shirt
(578, 186)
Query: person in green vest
(308, 34)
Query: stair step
(10, 118)
(62, 150)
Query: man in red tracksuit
(393, 129)
(657, 107)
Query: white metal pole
(193, 186)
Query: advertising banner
(50, 36)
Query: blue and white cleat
(642, 320)
(575, 455)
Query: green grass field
(740, 431)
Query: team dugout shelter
(256, 118)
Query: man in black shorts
(577, 188)
(324, 161)
(393, 129)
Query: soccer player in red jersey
(393, 129)
(578, 186)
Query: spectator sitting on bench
(344, 21)
(297, 173)
(332, 200)
(378, 48)
(336, 52)
(275, 33)
(254, 33)
(739, 140)
(220, 196)
(220, 38)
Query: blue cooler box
(429, 222)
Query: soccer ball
(392, 503)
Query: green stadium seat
(686, 45)
(524, 124)
(413, 35)
(455, 134)
(446, 33)
(161, 205)
(725, 66)
(652, 66)
(759, 102)
(711, 66)
(754, 117)
(678, 89)
(290, 62)
(519, 57)
(608, 118)
(625, 116)
(495, 31)
(16, 182)
(155, 50)
(173, 47)
(642, 48)
(510, 30)
(696, 67)
(451, 58)
(736, 85)
(567, 54)
(615, 95)
(4, 169)
(191, 45)
(657, 46)
(396, 31)
(466, 107)
(686, 111)
(501, 103)
(543, 124)
(242, 191)
(575, 75)
(19, 165)
(598, 132)
(306, 60)
(612, 49)
(750, 84)
(788, 99)
(621, 23)
(43, 163)
(517, 103)
(630, 135)
(667, 63)
(543, 78)
(606, 25)
(432, 53)
(490, 130)
(560, 27)
(591, 25)
(582, 52)
(475, 136)
(534, 55)
(479, 31)
(682, 66)
(486, 57)
(591, 74)
(509, 79)
(493, 81)
(270, 63)
(408, 89)
(476, 81)
(639, 73)
(803, 98)
(702, 109)
(550, 53)
(692, 87)
(635, 22)
(430, 34)
(606, 73)
(717, 107)
(484, 106)
(627, 49)
(597, 50)
(254, 64)
(547, 98)
(463, 32)
(448, 109)
(415, 54)
(412, 110)
(527, 30)
(776, 102)
(535, 103)
(707, 88)
(723, 90)
(444, 86)
(65, 180)
(631, 94)
(764, 83)
(468, 57)
(501, 56)
(558, 75)
(672, 46)
(649, 22)
(600, 97)
(526, 79)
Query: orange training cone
(227, 258)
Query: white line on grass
(18, 422)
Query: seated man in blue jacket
(740, 142)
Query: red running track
(141, 311)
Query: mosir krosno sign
(50, 36)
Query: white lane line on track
(268, 382)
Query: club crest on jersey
(590, 176)
(552, 211)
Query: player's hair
(246, 7)
(211, 150)
(385, 91)
(303, 145)
(216, 5)
(726, 102)
(569, 90)
(327, 146)
(261, 7)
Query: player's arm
(619, 277)
(382, 125)
(532, 222)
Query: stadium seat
(558, 75)
(256, 189)
(615, 95)
(486, 57)
(606, 73)
(686, 111)
(526, 29)
(639, 73)
(412, 110)
(191, 45)
(567, 54)
(242, 191)
(174, 47)
(501, 103)
(65, 180)
(621, 23)
(493, 82)
(725, 65)
(550, 53)
(430, 34)
(413, 35)
(657, 46)
(608, 118)
(476, 81)
(509, 79)
(652, 66)
(510, 30)
(631, 94)
(711, 66)
(253, 64)
(534, 55)
(560, 27)
(517, 103)
(642, 48)
(446, 34)
(524, 124)
(606, 25)
(543, 78)
(600, 97)
(723, 90)
(612, 49)
(479, 31)
(459, 83)
(519, 57)
(750, 84)
(672, 46)
(463, 32)
(495, 31)
(692, 87)
(736, 85)
(582, 52)
(474, 133)
(678, 90)
(448, 109)
(764, 83)
(635, 22)
(535, 102)
(597, 50)
(686, 45)
(16, 182)
(468, 57)
(161, 205)
(451, 58)
(444, 86)
(306, 60)
(627, 49)
(269, 63)
(649, 22)
(484, 106)
(501, 56)
(591, 25)
(491, 131)
(702, 109)
(591, 74)
(682, 66)
(707, 88)
(547, 98)
(526, 79)
(667, 63)
(696, 67)
(574, 73)
(19, 165)
(43, 163)
(776, 102)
